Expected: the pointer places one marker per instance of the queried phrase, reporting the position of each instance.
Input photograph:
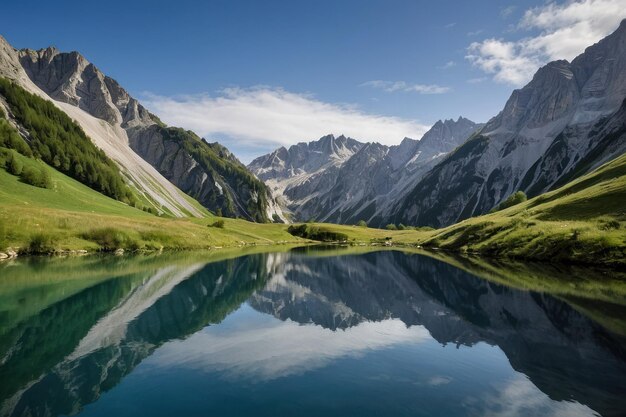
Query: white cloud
(450, 25)
(563, 30)
(394, 86)
(507, 11)
(448, 65)
(477, 80)
(264, 116)
(475, 32)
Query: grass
(71, 216)
(583, 222)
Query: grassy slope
(584, 221)
(67, 212)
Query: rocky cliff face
(207, 172)
(566, 121)
(66, 83)
(341, 180)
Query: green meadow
(583, 222)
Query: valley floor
(583, 222)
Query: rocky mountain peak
(305, 157)
(563, 123)
(69, 77)
(9, 62)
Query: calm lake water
(299, 333)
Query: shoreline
(14, 253)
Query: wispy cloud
(505, 12)
(475, 32)
(270, 117)
(563, 31)
(450, 25)
(448, 65)
(477, 80)
(395, 86)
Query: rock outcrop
(566, 121)
(342, 180)
(130, 135)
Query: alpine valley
(567, 121)
(338, 257)
(88, 168)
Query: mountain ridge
(359, 184)
(563, 110)
(207, 172)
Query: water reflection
(279, 317)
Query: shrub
(516, 198)
(13, 165)
(391, 226)
(40, 244)
(362, 223)
(38, 178)
(150, 210)
(218, 224)
(402, 227)
(611, 225)
(10, 138)
(316, 233)
(111, 239)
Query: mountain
(149, 184)
(295, 174)
(343, 181)
(157, 160)
(569, 119)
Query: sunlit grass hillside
(72, 216)
(584, 222)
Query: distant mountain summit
(304, 157)
(568, 120)
(343, 180)
(152, 155)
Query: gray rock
(565, 122)
(342, 180)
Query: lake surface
(298, 333)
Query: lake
(308, 332)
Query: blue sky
(258, 74)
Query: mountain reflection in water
(363, 334)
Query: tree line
(57, 140)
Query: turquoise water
(294, 334)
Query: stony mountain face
(111, 138)
(130, 135)
(296, 174)
(342, 180)
(568, 120)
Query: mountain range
(569, 119)
(342, 180)
(160, 163)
